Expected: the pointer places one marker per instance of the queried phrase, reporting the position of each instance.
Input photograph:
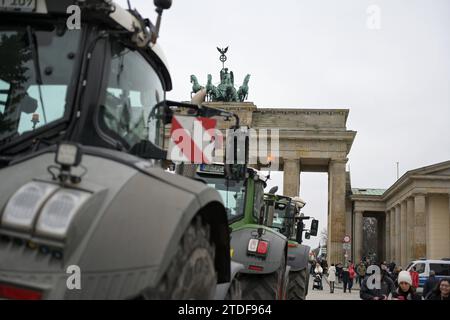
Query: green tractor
(259, 252)
(284, 214)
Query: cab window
(133, 89)
(258, 201)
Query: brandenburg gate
(310, 140)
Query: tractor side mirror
(314, 227)
(273, 190)
(163, 4)
(300, 227)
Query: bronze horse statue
(196, 87)
(243, 90)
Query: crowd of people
(394, 283)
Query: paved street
(326, 295)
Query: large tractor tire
(298, 285)
(235, 290)
(263, 286)
(191, 274)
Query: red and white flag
(193, 139)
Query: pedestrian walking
(405, 290)
(313, 265)
(324, 265)
(395, 274)
(345, 278)
(318, 269)
(392, 267)
(361, 272)
(386, 288)
(339, 272)
(442, 291)
(430, 284)
(414, 277)
(351, 276)
(332, 277)
(318, 273)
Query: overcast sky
(395, 79)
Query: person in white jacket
(331, 277)
(319, 271)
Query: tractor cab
(94, 84)
(242, 198)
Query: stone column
(403, 233)
(420, 241)
(392, 218)
(358, 236)
(398, 254)
(381, 246)
(387, 237)
(336, 207)
(409, 229)
(291, 177)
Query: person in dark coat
(405, 290)
(430, 284)
(339, 272)
(387, 287)
(392, 267)
(442, 291)
(324, 265)
(395, 274)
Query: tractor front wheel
(191, 274)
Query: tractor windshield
(283, 217)
(36, 66)
(279, 215)
(132, 90)
(232, 193)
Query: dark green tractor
(259, 251)
(284, 214)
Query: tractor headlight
(22, 208)
(68, 154)
(58, 213)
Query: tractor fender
(276, 249)
(298, 256)
(161, 216)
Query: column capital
(334, 160)
(419, 192)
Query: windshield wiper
(37, 68)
